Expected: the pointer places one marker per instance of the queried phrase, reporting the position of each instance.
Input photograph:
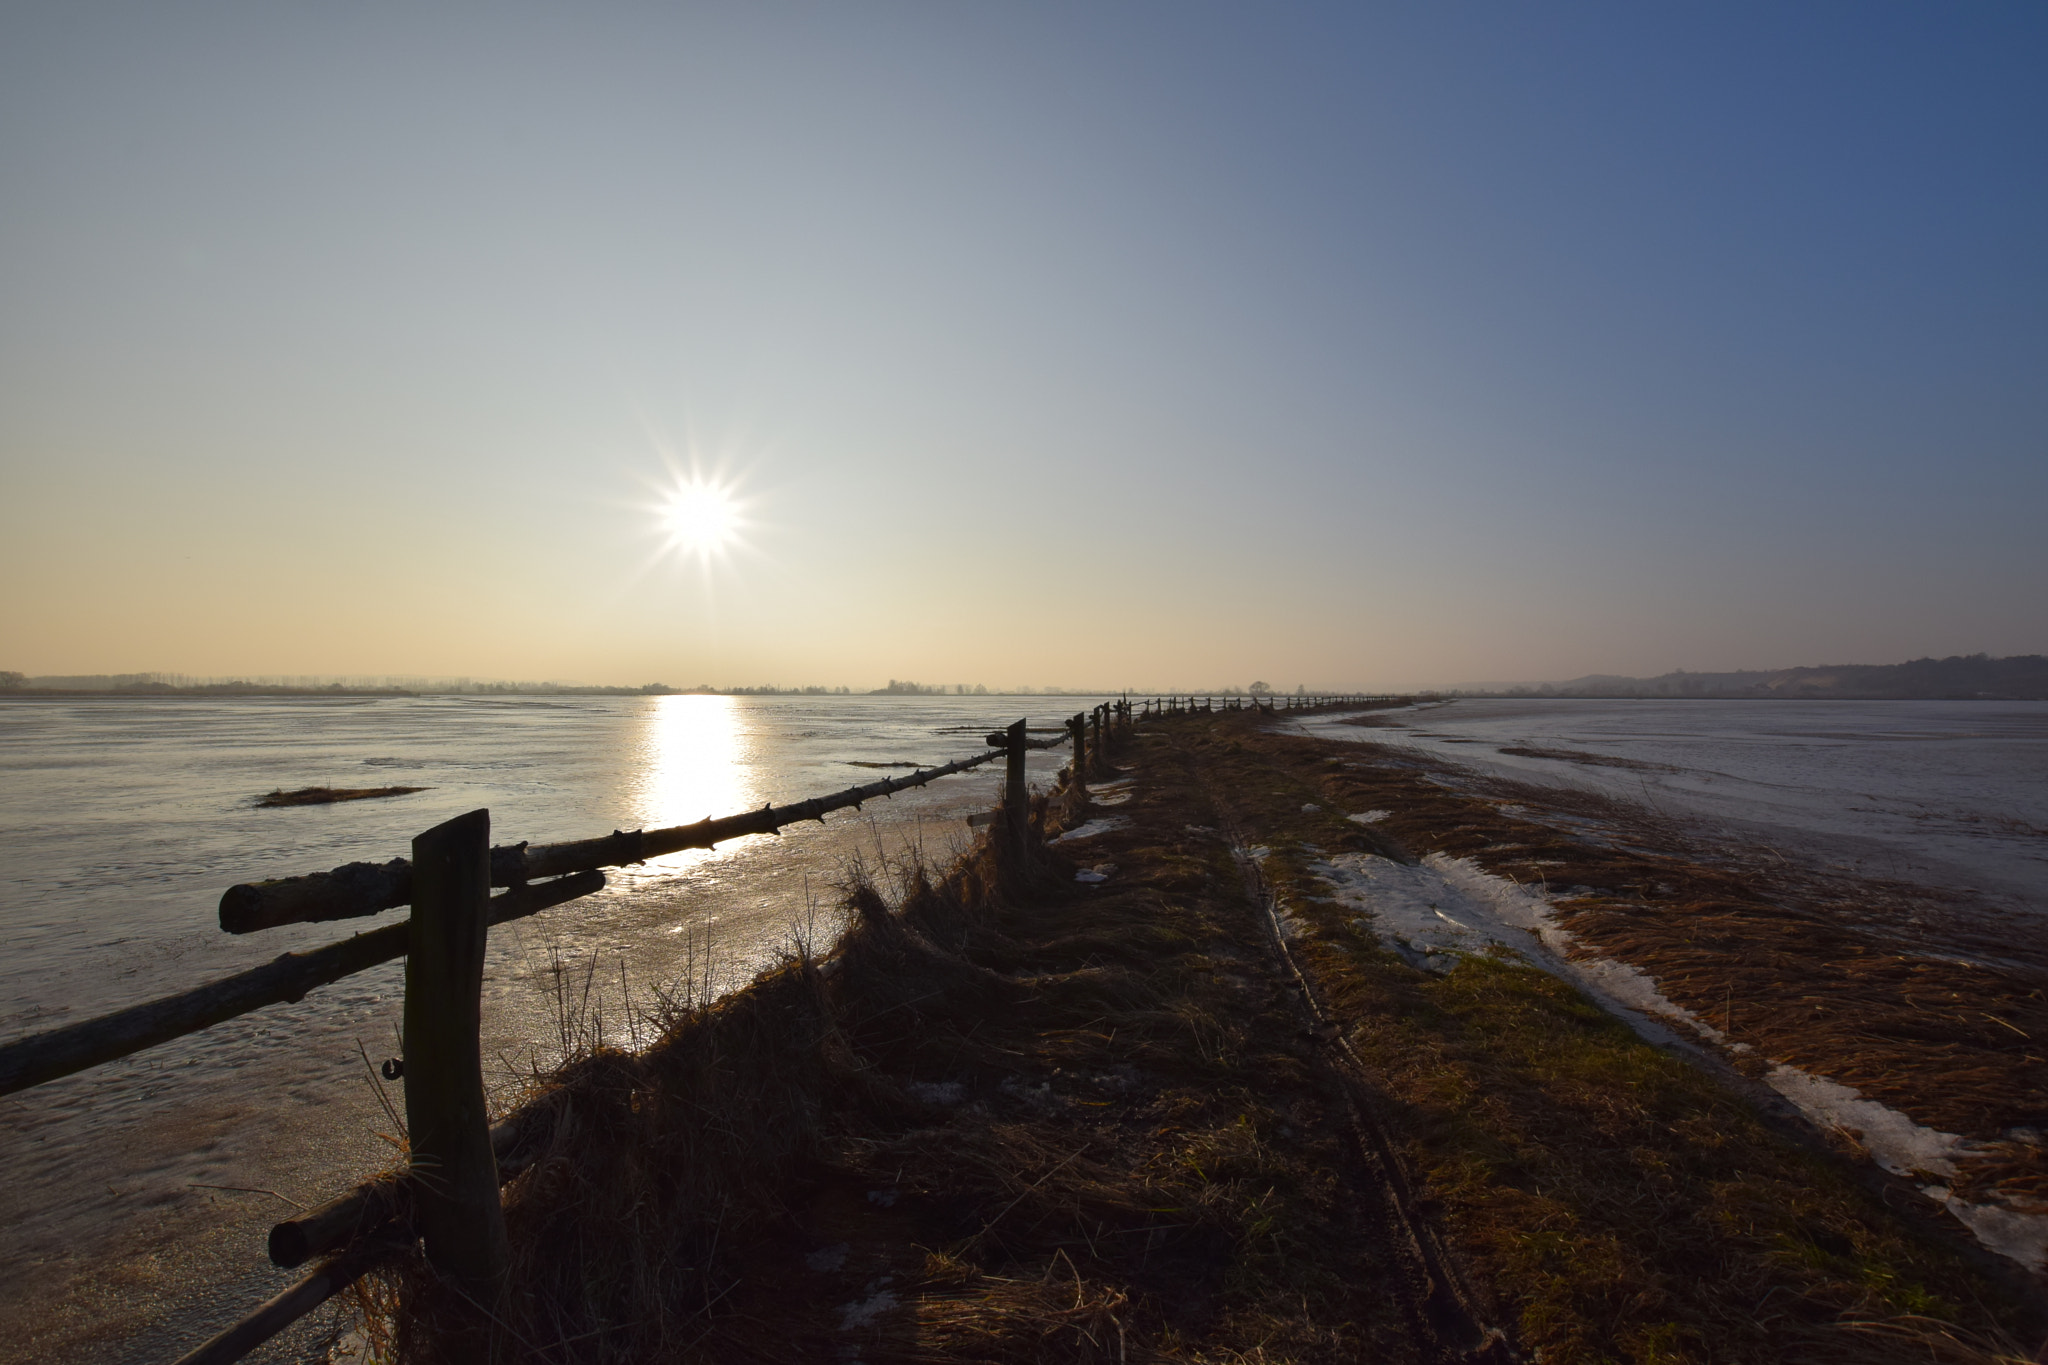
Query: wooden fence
(447, 1196)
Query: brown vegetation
(1600, 1178)
(1009, 1118)
(1875, 983)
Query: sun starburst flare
(700, 518)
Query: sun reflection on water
(696, 759)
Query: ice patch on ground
(1433, 912)
(1906, 1148)
(1369, 817)
(1092, 828)
(1416, 911)
(2009, 1232)
(1894, 1141)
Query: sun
(700, 518)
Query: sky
(1127, 344)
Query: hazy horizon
(902, 687)
(1376, 347)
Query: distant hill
(2023, 677)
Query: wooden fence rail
(358, 889)
(46, 1056)
(448, 1193)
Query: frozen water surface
(1947, 793)
(122, 821)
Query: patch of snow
(1369, 817)
(1310, 808)
(1111, 799)
(1092, 828)
(1090, 876)
(863, 1311)
(827, 1259)
(1039, 1096)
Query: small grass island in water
(322, 796)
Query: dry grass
(1625, 1204)
(1007, 1119)
(1013, 1119)
(1876, 983)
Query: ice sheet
(1950, 793)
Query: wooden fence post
(460, 1217)
(1077, 728)
(1016, 799)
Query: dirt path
(1125, 1143)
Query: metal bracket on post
(460, 1216)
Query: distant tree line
(1960, 677)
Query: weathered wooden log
(514, 1142)
(342, 1219)
(359, 889)
(455, 1173)
(333, 1276)
(46, 1056)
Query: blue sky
(1348, 345)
